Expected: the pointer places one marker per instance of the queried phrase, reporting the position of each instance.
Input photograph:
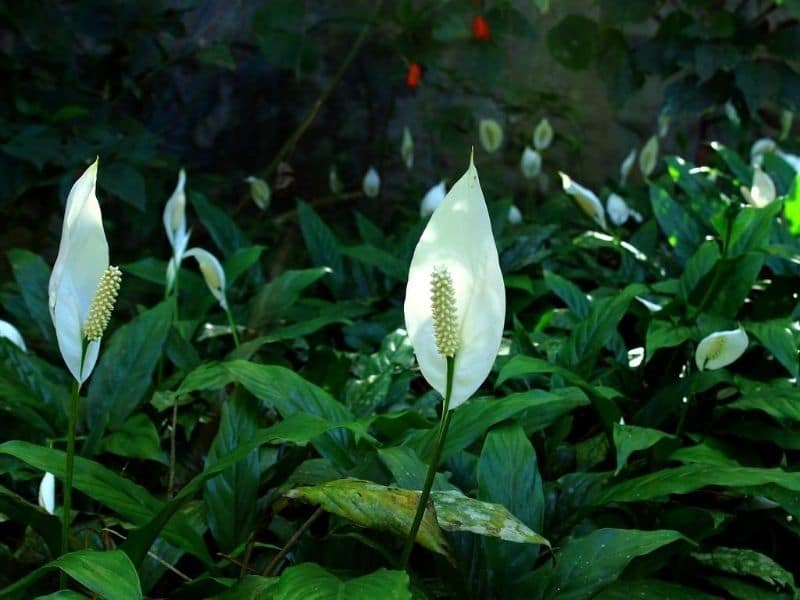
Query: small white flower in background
(651, 306)
(618, 210)
(212, 272)
(720, 349)
(663, 125)
(372, 183)
(635, 359)
(334, 183)
(543, 135)
(787, 118)
(491, 135)
(83, 287)
(732, 113)
(627, 165)
(407, 148)
(514, 215)
(455, 298)
(792, 159)
(586, 199)
(259, 192)
(762, 192)
(530, 163)
(648, 158)
(174, 218)
(47, 493)
(11, 333)
(432, 199)
(759, 148)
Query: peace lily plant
(82, 292)
(454, 308)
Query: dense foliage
(276, 449)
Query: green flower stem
(232, 323)
(67, 509)
(432, 468)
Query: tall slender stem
(172, 430)
(432, 468)
(232, 323)
(67, 509)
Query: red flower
(480, 29)
(414, 75)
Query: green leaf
(681, 230)
(698, 266)
(272, 301)
(385, 261)
(570, 293)
(508, 475)
(651, 589)
(249, 587)
(751, 228)
(231, 496)
(377, 507)
(124, 181)
(588, 564)
(663, 334)
(776, 336)
(218, 55)
(131, 501)
(20, 510)
(32, 276)
(126, 363)
(792, 206)
(743, 561)
(311, 582)
(471, 420)
(627, 11)
(137, 437)
(629, 439)
(109, 574)
(241, 260)
(573, 41)
(223, 229)
(321, 244)
(685, 479)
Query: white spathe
(407, 148)
(175, 218)
(543, 135)
(586, 199)
(626, 165)
(212, 272)
(759, 148)
(491, 135)
(259, 191)
(762, 192)
(648, 158)
(11, 333)
(432, 199)
(82, 260)
(720, 349)
(459, 238)
(514, 215)
(371, 183)
(530, 163)
(47, 493)
(618, 210)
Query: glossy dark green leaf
(586, 565)
(508, 475)
(137, 437)
(629, 439)
(777, 337)
(123, 181)
(32, 276)
(272, 301)
(663, 334)
(651, 589)
(680, 229)
(227, 235)
(311, 582)
(570, 293)
(108, 574)
(743, 561)
(127, 363)
(20, 510)
(751, 228)
(322, 245)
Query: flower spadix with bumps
(455, 298)
(82, 287)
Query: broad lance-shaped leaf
(458, 242)
(380, 507)
(310, 581)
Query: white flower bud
(491, 135)
(433, 198)
(586, 199)
(530, 163)
(648, 158)
(543, 135)
(372, 183)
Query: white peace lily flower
(491, 135)
(618, 210)
(759, 148)
(212, 272)
(47, 493)
(82, 287)
(651, 306)
(762, 192)
(720, 349)
(586, 199)
(732, 113)
(530, 163)
(11, 333)
(627, 165)
(514, 215)
(649, 157)
(456, 258)
(259, 192)
(407, 148)
(334, 183)
(433, 198)
(372, 183)
(543, 135)
(175, 218)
